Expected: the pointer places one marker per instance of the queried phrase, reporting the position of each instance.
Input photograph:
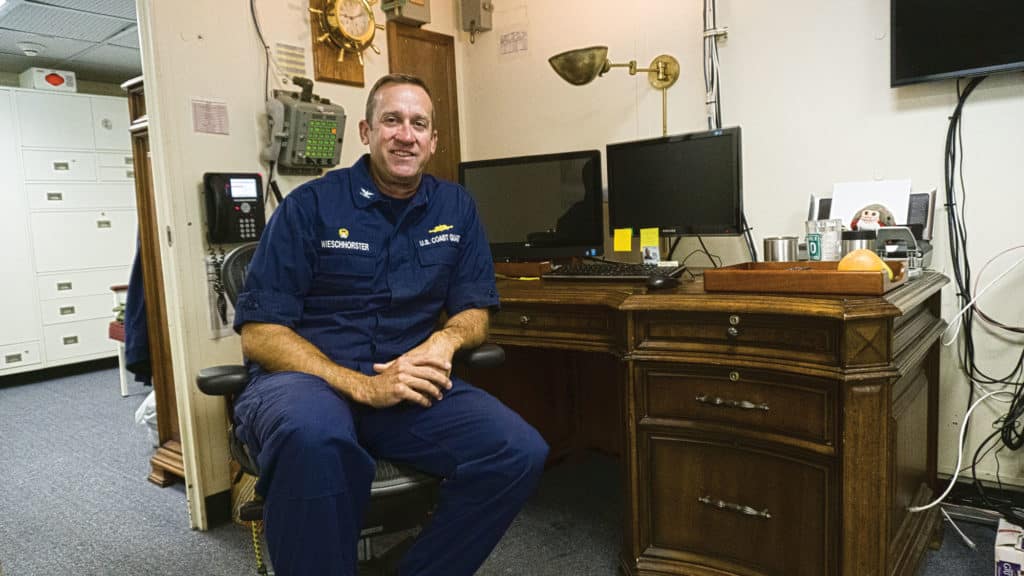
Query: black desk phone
(234, 207)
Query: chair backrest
(234, 268)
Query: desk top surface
(690, 296)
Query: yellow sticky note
(623, 239)
(648, 236)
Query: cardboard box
(47, 79)
(1009, 550)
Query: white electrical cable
(968, 541)
(959, 454)
(957, 319)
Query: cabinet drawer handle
(741, 404)
(55, 196)
(103, 224)
(524, 320)
(128, 160)
(63, 286)
(61, 166)
(12, 358)
(732, 332)
(129, 173)
(69, 340)
(67, 310)
(739, 508)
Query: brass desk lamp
(582, 65)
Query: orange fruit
(864, 260)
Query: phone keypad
(247, 228)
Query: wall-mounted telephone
(234, 207)
(306, 131)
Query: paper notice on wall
(209, 116)
(513, 37)
(513, 42)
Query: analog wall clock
(348, 26)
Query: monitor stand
(522, 269)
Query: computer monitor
(537, 208)
(689, 184)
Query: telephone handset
(234, 207)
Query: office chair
(400, 497)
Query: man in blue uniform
(339, 323)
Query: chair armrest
(223, 380)
(483, 356)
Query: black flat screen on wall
(937, 39)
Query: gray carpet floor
(74, 500)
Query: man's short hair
(371, 103)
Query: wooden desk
(760, 434)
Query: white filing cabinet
(69, 226)
(20, 330)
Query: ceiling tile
(17, 63)
(121, 8)
(57, 22)
(53, 48)
(128, 39)
(115, 60)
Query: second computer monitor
(689, 184)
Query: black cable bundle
(1009, 429)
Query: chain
(257, 528)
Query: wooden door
(431, 56)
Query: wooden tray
(802, 278)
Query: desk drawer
(751, 401)
(18, 355)
(767, 335)
(580, 324)
(82, 338)
(81, 308)
(739, 509)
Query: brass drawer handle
(739, 508)
(732, 332)
(741, 404)
(524, 320)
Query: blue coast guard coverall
(364, 277)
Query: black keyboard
(611, 271)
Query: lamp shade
(582, 65)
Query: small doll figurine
(872, 217)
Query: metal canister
(857, 239)
(780, 248)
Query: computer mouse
(659, 282)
